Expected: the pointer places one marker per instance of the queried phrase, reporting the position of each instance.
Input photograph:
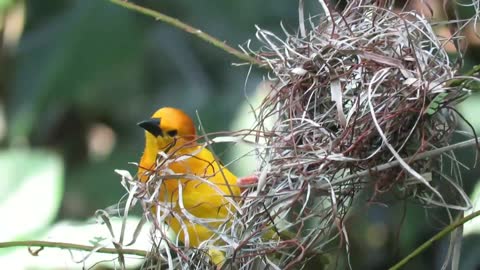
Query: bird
(204, 194)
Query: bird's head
(168, 128)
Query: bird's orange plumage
(172, 131)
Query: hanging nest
(362, 100)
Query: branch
(61, 245)
(471, 72)
(385, 166)
(436, 237)
(190, 29)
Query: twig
(391, 164)
(436, 237)
(62, 245)
(471, 72)
(190, 29)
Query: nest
(361, 100)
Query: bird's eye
(172, 133)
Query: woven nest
(361, 100)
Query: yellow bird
(172, 131)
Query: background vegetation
(76, 76)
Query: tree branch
(61, 245)
(436, 237)
(190, 29)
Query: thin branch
(436, 237)
(61, 245)
(190, 29)
(431, 153)
(471, 72)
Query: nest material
(360, 90)
(357, 95)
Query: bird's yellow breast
(197, 191)
(203, 186)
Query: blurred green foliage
(82, 63)
(32, 188)
(79, 63)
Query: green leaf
(433, 106)
(31, 188)
(5, 4)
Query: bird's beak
(152, 126)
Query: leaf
(5, 4)
(31, 188)
(433, 106)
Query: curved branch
(436, 237)
(190, 29)
(62, 245)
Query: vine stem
(457, 82)
(436, 237)
(190, 29)
(62, 245)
